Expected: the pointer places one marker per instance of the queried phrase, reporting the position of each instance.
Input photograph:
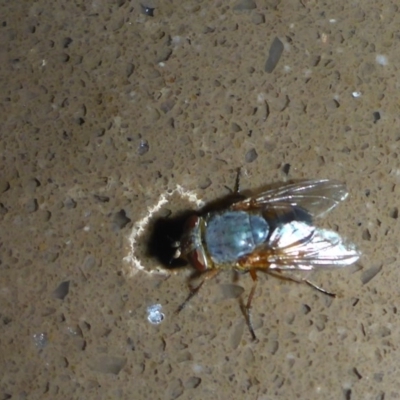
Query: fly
(271, 231)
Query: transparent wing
(297, 245)
(317, 197)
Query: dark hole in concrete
(121, 220)
(147, 10)
(376, 116)
(61, 291)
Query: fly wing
(317, 197)
(297, 245)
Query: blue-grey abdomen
(233, 234)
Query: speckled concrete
(112, 118)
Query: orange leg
(212, 273)
(280, 275)
(246, 309)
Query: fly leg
(212, 273)
(319, 288)
(280, 275)
(235, 195)
(246, 308)
(236, 188)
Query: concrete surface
(112, 118)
